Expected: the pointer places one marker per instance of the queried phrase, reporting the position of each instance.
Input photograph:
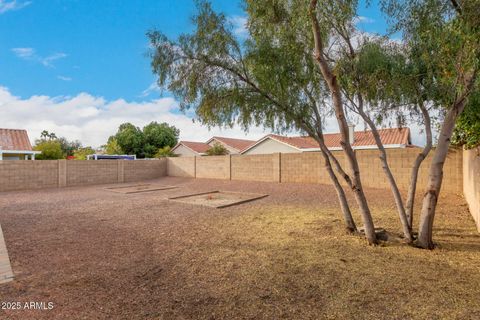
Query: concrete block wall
(91, 172)
(143, 170)
(471, 182)
(309, 167)
(306, 167)
(261, 167)
(25, 175)
(22, 175)
(181, 167)
(214, 167)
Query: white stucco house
(15, 145)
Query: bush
(165, 152)
(217, 150)
(51, 150)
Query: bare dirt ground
(102, 255)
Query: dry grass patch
(280, 261)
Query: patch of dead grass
(284, 261)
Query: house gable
(269, 145)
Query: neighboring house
(190, 149)
(391, 138)
(234, 146)
(15, 145)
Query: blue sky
(65, 49)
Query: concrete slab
(218, 199)
(6, 273)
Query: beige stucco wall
(471, 182)
(23, 175)
(269, 146)
(183, 151)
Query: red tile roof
(237, 144)
(198, 147)
(14, 139)
(362, 138)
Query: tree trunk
(425, 229)
(412, 188)
(386, 168)
(347, 214)
(331, 80)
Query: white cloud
(239, 25)
(153, 87)
(24, 53)
(363, 19)
(47, 61)
(64, 78)
(12, 5)
(31, 55)
(93, 119)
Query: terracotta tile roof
(14, 139)
(237, 144)
(198, 147)
(362, 138)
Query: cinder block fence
(24, 175)
(309, 168)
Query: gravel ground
(96, 254)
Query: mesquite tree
(447, 35)
(269, 80)
(320, 32)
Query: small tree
(217, 150)
(51, 150)
(271, 81)
(82, 153)
(159, 135)
(144, 143)
(112, 146)
(467, 130)
(447, 35)
(165, 152)
(69, 147)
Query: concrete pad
(218, 199)
(6, 273)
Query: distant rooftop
(14, 139)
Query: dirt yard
(97, 254)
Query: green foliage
(165, 152)
(157, 136)
(69, 147)
(444, 38)
(144, 143)
(82, 153)
(269, 80)
(112, 146)
(467, 130)
(130, 139)
(217, 150)
(51, 150)
(45, 135)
